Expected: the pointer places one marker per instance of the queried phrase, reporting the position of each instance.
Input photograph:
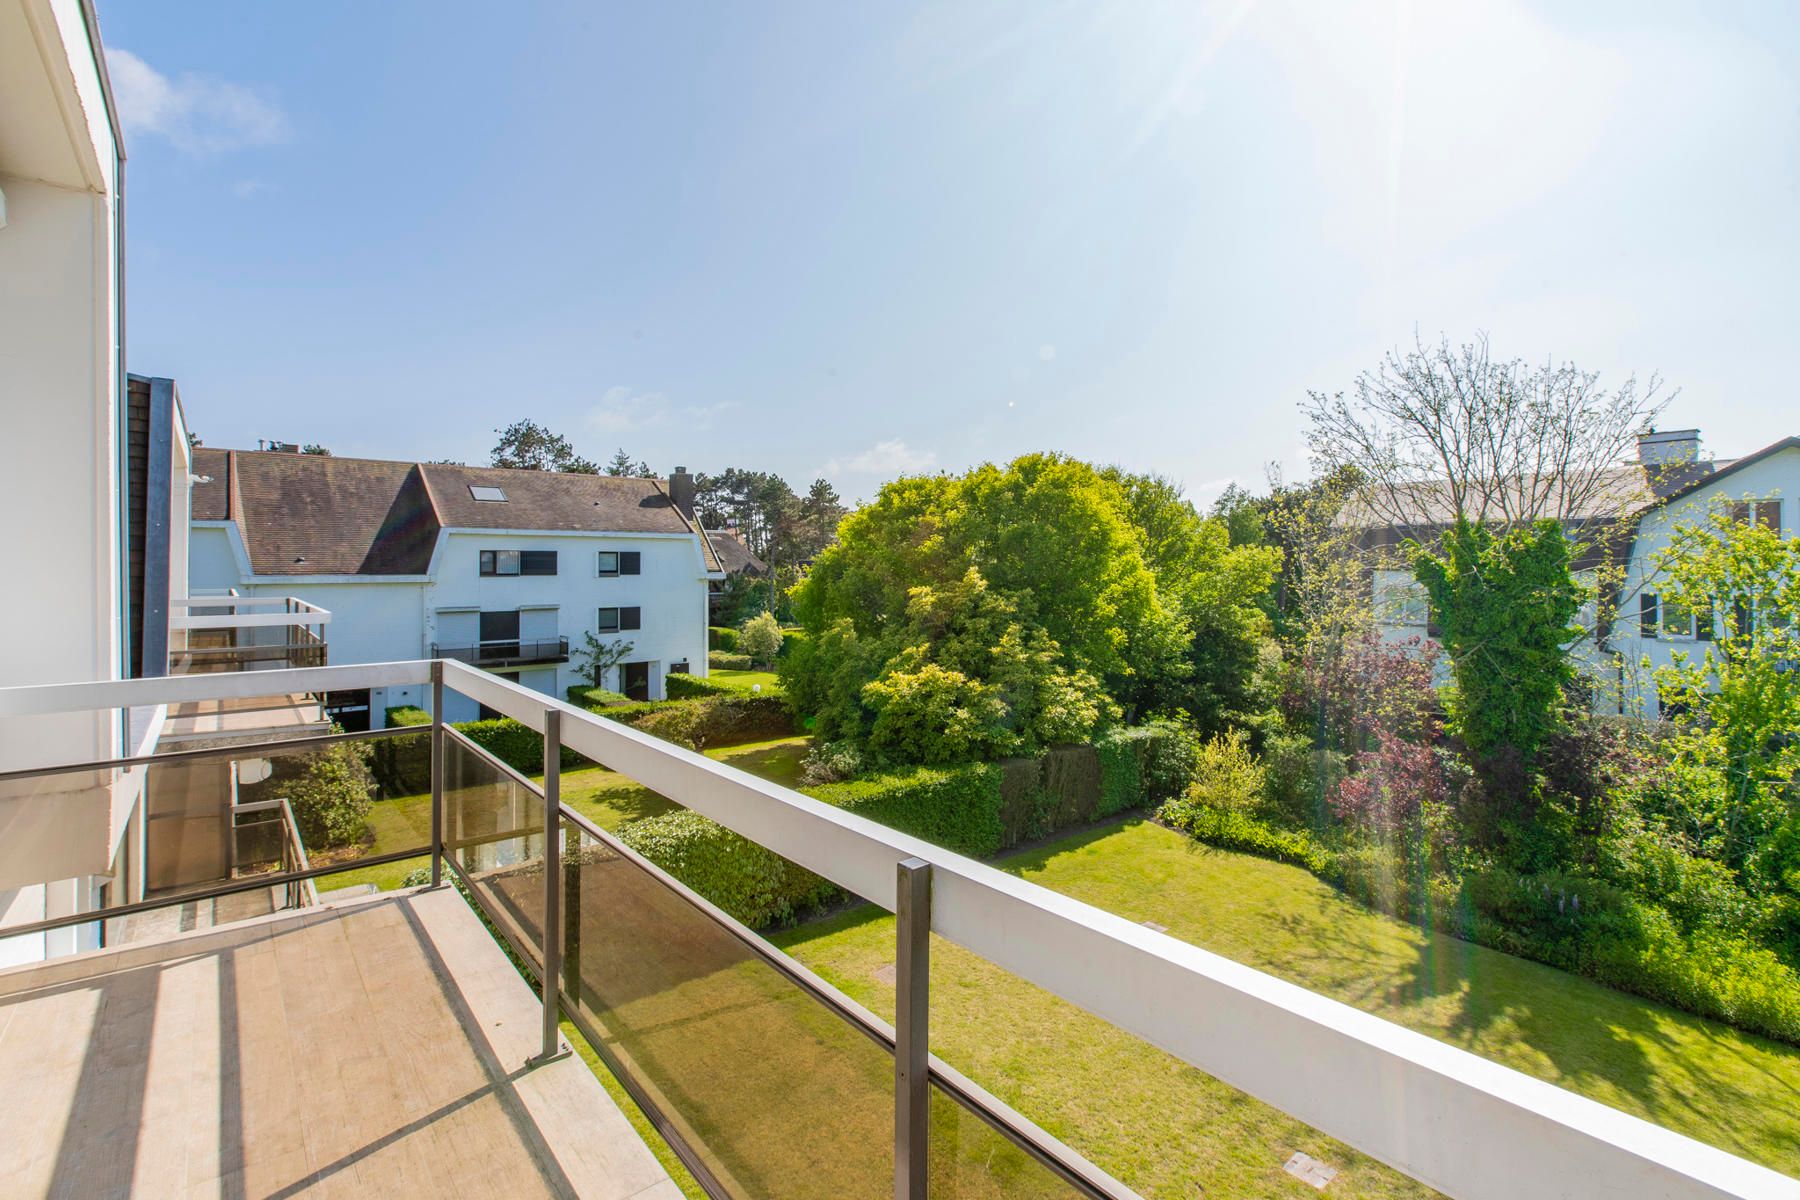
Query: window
(619, 562)
(1647, 614)
(518, 562)
(500, 562)
(490, 495)
(612, 620)
(1677, 621)
(1763, 513)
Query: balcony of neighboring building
(513, 652)
(229, 632)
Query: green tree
(1009, 608)
(596, 657)
(760, 638)
(528, 446)
(1736, 706)
(621, 464)
(331, 794)
(1505, 604)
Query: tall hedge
(722, 637)
(693, 687)
(749, 881)
(954, 807)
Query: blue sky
(860, 240)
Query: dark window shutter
(630, 562)
(629, 618)
(537, 562)
(1647, 614)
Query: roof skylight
(481, 492)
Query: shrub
(1226, 775)
(583, 696)
(936, 715)
(719, 660)
(1231, 829)
(407, 714)
(760, 638)
(1143, 764)
(726, 720)
(956, 807)
(1297, 778)
(516, 745)
(749, 881)
(692, 687)
(831, 762)
(791, 640)
(331, 792)
(1393, 785)
(722, 637)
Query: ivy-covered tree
(596, 657)
(1505, 603)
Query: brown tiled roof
(359, 516)
(735, 557)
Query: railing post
(912, 1041)
(437, 773)
(571, 917)
(552, 932)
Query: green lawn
(1163, 1127)
(743, 680)
(604, 797)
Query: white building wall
(61, 372)
(1638, 657)
(377, 619)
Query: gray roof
(309, 514)
(734, 556)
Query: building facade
(511, 571)
(1679, 486)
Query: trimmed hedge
(954, 807)
(752, 883)
(692, 687)
(583, 696)
(407, 714)
(791, 640)
(726, 720)
(719, 660)
(722, 637)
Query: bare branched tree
(1441, 431)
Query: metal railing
(507, 652)
(628, 954)
(290, 860)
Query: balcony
(512, 652)
(369, 1043)
(229, 632)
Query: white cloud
(622, 410)
(883, 459)
(196, 114)
(1047, 352)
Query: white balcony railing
(1454, 1121)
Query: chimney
(681, 491)
(1669, 447)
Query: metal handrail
(490, 650)
(1068, 1165)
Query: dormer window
(490, 495)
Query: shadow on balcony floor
(368, 1048)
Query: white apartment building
(507, 570)
(1674, 484)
